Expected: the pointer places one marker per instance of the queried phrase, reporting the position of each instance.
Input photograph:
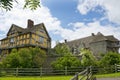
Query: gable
(13, 29)
(42, 30)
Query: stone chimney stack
(30, 23)
(65, 40)
(93, 34)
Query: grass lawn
(37, 78)
(113, 75)
(56, 77)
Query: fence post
(77, 75)
(115, 67)
(65, 70)
(17, 71)
(91, 69)
(88, 69)
(40, 71)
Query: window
(41, 30)
(11, 40)
(41, 39)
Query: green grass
(112, 75)
(37, 78)
(56, 77)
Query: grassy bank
(56, 77)
(112, 75)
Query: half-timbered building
(32, 36)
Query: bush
(111, 58)
(66, 61)
(88, 58)
(24, 58)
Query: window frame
(41, 39)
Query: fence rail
(117, 68)
(86, 74)
(50, 71)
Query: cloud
(85, 6)
(111, 8)
(81, 30)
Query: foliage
(66, 61)
(1, 64)
(111, 58)
(62, 49)
(32, 4)
(24, 58)
(12, 60)
(8, 4)
(87, 58)
(38, 57)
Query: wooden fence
(50, 71)
(117, 68)
(86, 75)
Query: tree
(110, 58)
(62, 49)
(24, 58)
(8, 4)
(12, 60)
(38, 57)
(88, 58)
(66, 61)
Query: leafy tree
(12, 60)
(110, 58)
(38, 57)
(66, 61)
(8, 4)
(88, 58)
(24, 58)
(62, 49)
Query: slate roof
(90, 39)
(27, 30)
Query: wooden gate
(84, 75)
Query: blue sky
(67, 19)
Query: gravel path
(108, 79)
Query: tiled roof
(90, 39)
(28, 29)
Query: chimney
(93, 34)
(65, 40)
(30, 23)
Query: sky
(67, 19)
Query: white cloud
(87, 29)
(85, 6)
(111, 8)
